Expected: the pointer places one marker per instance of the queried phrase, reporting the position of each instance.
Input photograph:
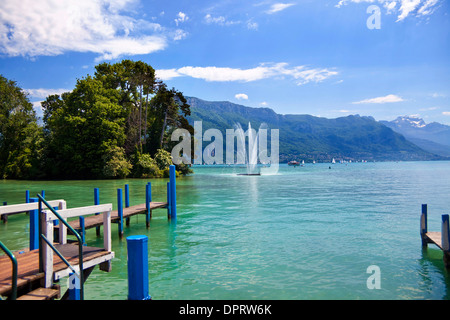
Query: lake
(304, 233)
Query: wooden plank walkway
(28, 264)
(440, 239)
(434, 238)
(97, 220)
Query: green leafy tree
(20, 136)
(135, 82)
(169, 111)
(82, 127)
(116, 164)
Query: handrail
(14, 271)
(59, 254)
(80, 242)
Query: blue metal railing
(14, 270)
(77, 235)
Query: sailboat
(333, 161)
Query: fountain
(250, 158)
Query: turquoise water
(305, 233)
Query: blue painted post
(34, 227)
(120, 211)
(127, 200)
(43, 194)
(97, 202)
(83, 230)
(74, 287)
(138, 268)
(27, 196)
(173, 193)
(5, 217)
(445, 241)
(148, 200)
(168, 201)
(127, 196)
(424, 224)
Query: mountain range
(433, 137)
(306, 137)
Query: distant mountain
(433, 137)
(313, 138)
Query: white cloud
(252, 25)
(301, 74)
(241, 96)
(179, 35)
(403, 8)
(42, 93)
(181, 17)
(33, 28)
(220, 20)
(278, 7)
(446, 113)
(387, 99)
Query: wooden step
(41, 294)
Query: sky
(328, 58)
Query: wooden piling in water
(445, 239)
(97, 202)
(120, 211)
(137, 253)
(424, 224)
(440, 239)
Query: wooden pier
(29, 280)
(97, 220)
(39, 269)
(440, 239)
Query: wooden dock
(97, 220)
(29, 278)
(39, 269)
(440, 239)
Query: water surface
(305, 233)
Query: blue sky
(296, 57)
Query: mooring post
(74, 287)
(173, 193)
(424, 224)
(127, 201)
(445, 241)
(97, 202)
(27, 196)
(34, 226)
(148, 200)
(120, 211)
(82, 230)
(5, 216)
(138, 268)
(168, 201)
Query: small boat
(293, 163)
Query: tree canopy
(114, 124)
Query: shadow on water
(432, 263)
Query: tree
(136, 82)
(82, 127)
(20, 136)
(169, 111)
